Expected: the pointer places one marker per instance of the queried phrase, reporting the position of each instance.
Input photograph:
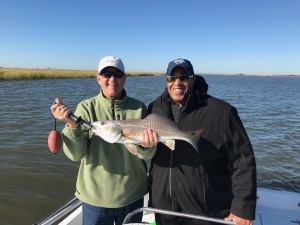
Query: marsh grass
(25, 74)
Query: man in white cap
(111, 180)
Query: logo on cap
(178, 61)
(112, 60)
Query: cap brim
(169, 72)
(111, 66)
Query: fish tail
(197, 135)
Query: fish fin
(132, 148)
(170, 144)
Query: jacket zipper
(113, 108)
(170, 181)
(176, 120)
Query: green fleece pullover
(109, 175)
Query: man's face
(179, 90)
(111, 86)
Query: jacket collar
(116, 103)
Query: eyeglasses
(182, 77)
(117, 74)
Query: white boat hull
(273, 208)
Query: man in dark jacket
(217, 180)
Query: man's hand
(61, 112)
(149, 139)
(238, 220)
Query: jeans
(93, 215)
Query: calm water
(34, 181)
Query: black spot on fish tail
(197, 133)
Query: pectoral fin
(170, 144)
(132, 148)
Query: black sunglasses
(182, 77)
(117, 74)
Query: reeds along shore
(27, 74)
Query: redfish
(128, 132)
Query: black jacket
(218, 179)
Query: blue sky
(217, 36)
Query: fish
(128, 132)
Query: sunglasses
(117, 74)
(182, 77)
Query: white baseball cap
(110, 61)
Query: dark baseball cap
(184, 63)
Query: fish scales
(165, 128)
(149, 124)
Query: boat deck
(273, 208)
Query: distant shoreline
(253, 75)
(27, 74)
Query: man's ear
(98, 78)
